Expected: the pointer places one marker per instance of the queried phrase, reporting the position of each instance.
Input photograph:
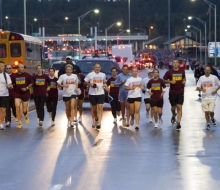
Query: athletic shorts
(158, 104)
(80, 97)
(66, 99)
(176, 99)
(123, 96)
(208, 105)
(132, 100)
(3, 101)
(147, 100)
(24, 99)
(96, 99)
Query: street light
(204, 23)
(188, 26)
(150, 28)
(79, 19)
(106, 36)
(213, 6)
(196, 38)
(25, 31)
(66, 18)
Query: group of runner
(125, 92)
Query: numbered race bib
(155, 86)
(20, 81)
(40, 82)
(177, 77)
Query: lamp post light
(25, 21)
(66, 18)
(200, 34)
(79, 19)
(212, 6)
(196, 38)
(204, 23)
(106, 36)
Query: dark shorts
(96, 99)
(80, 97)
(176, 99)
(147, 100)
(132, 100)
(158, 104)
(3, 101)
(23, 99)
(66, 99)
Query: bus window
(15, 50)
(2, 50)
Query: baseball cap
(69, 57)
(150, 70)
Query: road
(57, 158)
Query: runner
(40, 89)
(22, 82)
(5, 84)
(123, 94)
(209, 85)
(177, 79)
(69, 82)
(11, 100)
(149, 111)
(97, 82)
(156, 89)
(52, 96)
(134, 87)
(113, 92)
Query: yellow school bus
(18, 49)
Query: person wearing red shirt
(177, 80)
(39, 91)
(113, 92)
(52, 96)
(22, 82)
(156, 89)
(182, 65)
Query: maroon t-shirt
(11, 91)
(40, 84)
(81, 85)
(20, 81)
(53, 92)
(114, 90)
(156, 87)
(177, 76)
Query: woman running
(69, 82)
(134, 87)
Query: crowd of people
(125, 93)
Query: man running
(209, 85)
(41, 82)
(11, 100)
(97, 82)
(5, 84)
(149, 112)
(177, 79)
(123, 94)
(156, 89)
(22, 82)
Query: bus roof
(30, 38)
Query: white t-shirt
(144, 83)
(98, 79)
(3, 88)
(210, 84)
(71, 80)
(134, 82)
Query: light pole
(0, 14)
(196, 38)
(150, 28)
(25, 21)
(168, 24)
(213, 6)
(106, 36)
(79, 19)
(129, 18)
(188, 26)
(204, 23)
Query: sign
(212, 51)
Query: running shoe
(173, 120)
(75, 120)
(98, 126)
(52, 123)
(214, 122)
(147, 114)
(136, 128)
(208, 127)
(160, 121)
(80, 119)
(199, 95)
(2, 127)
(118, 113)
(26, 119)
(8, 124)
(156, 125)
(19, 126)
(50, 114)
(72, 124)
(40, 123)
(178, 127)
(150, 120)
(115, 121)
(131, 122)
